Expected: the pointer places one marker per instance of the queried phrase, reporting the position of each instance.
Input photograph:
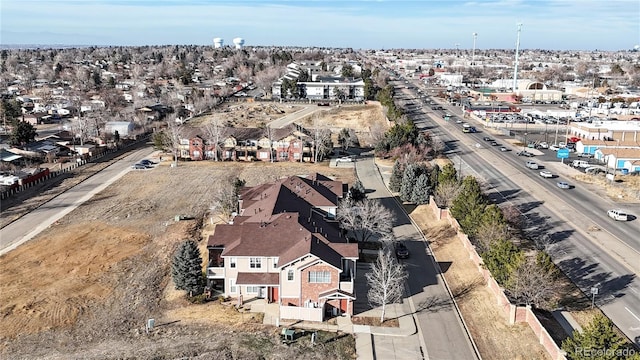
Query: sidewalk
(372, 342)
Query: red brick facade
(310, 291)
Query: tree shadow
(499, 197)
(444, 266)
(590, 275)
(528, 206)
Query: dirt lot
(247, 114)
(85, 287)
(493, 336)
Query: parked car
(546, 174)
(344, 159)
(585, 155)
(401, 251)
(146, 162)
(554, 147)
(563, 185)
(618, 215)
(543, 145)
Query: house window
(252, 289)
(275, 263)
(255, 263)
(323, 277)
(232, 262)
(232, 286)
(290, 275)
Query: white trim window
(290, 275)
(319, 277)
(233, 262)
(253, 289)
(232, 286)
(255, 263)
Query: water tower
(238, 42)
(218, 42)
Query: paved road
(290, 118)
(30, 225)
(439, 325)
(607, 259)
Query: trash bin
(625, 171)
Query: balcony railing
(215, 272)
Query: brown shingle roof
(247, 278)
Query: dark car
(486, 138)
(146, 162)
(138, 167)
(493, 143)
(401, 251)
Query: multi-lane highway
(607, 259)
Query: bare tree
(174, 135)
(386, 281)
(487, 233)
(446, 192)
(437, 145)
(533, 284)
(214, 133)
(267, 77)
(366, 219)
(225, 202)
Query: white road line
(633, 289)
(632, 314)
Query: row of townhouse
(249, 144)
(286, 246)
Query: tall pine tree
(421, 191)
(411, 174)
(469, 206)
(396, 176)
(186, 268)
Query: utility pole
(515, 68)
(473, 52)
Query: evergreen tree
(469, 206)
(421, 190)
(357, 191)
(433, 176)
(408, 182)
(186, 268)
(447, 174)
(395, 182)
(502, 259)
(23, 133)
(598, 340)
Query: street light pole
(515, 68)
(473, 52)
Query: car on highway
(525, 153)
(344, 159)
(458, 121)
(401, 251)
(546, 174)
(618, 215)
(563, 185)
(138, 166)
(146, 162)
(532, 165)
(503, 149)
(494, 143)
(486, 138)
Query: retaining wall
(513, 313)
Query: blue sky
(369, 24)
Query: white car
(618, 215)
(344, 159)
(554, 147)
(546, 174)
(564, 185)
